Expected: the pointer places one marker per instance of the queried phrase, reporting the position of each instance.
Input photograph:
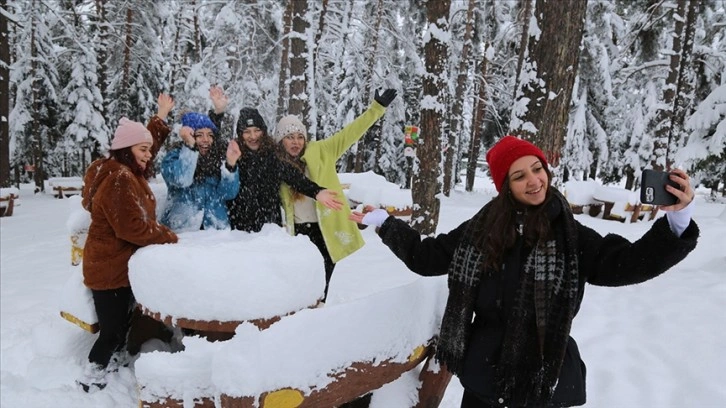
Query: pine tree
(86, 130)
(457, 109)
(240, 54)
(33, 117)
(595, 81)
(137, 83)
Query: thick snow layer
(229, 275)
(657, 344)
(370, 188)
(305, 350)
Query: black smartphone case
(652, 188)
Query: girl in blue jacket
(200, 177)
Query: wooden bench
(63, 187)
(633, 212)
(6, 205)
(66, 191)
(592, 209)
(579, 194)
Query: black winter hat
(249, 117)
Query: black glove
(386, 98)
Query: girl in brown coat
(123, 219)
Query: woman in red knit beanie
(517, 272)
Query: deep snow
(657, 344)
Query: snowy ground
(658, 344)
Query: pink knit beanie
(505, 152)
(129, 133)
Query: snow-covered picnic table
(621, 204)
(212, 281)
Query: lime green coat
(341, 235)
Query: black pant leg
(113, 308)
(363, 401)
(312, 230)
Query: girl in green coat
(335, 236)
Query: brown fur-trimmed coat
(123, 219)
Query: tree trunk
(476, 126)
(197, 35)
(319, 33)
(37, 136)
(548, 75)
(456, 111)
(684, 97)
(129, 42)
(102, 70)
(4, 99)
(523, 18)
(363, 146)
(426, 184)
(176, 53)
(298, 103)
(283, 86)
(664, 117)
(313, 126)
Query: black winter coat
(260, 175)
(604, 261)
(258, 201)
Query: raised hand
(187, 135)
(219, 99)
(233, 153)
(685, 193)
(327, 198)
(166, 104)
(386, 98)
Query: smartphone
(652, 188)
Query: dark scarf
(538, 326)
(209, 165)
(297, 162)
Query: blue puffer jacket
(194, 204)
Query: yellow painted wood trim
(76, 255)
(93, 328)
(286, 398)
(417, 352)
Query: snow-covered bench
(579, 195)
(372, 189)
(62, 187)
(622, 205)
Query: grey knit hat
(287, 125)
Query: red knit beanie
(505, 152)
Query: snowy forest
(605, 87)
